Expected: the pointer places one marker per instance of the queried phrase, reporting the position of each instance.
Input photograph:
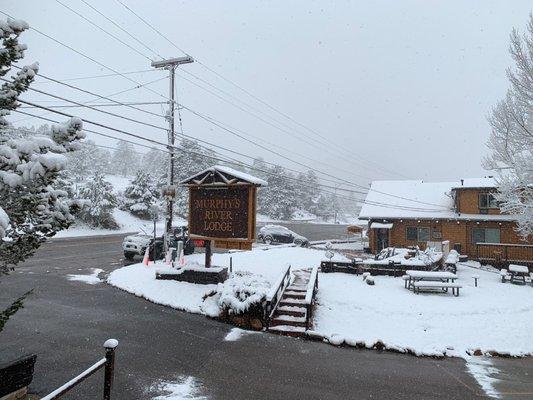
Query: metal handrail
(312, 288)
(108, 362)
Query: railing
(276, 292)
(108, 362)
(312, 288)
(503, 253)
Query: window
(487, 200)
(485, 235)
(417, 234)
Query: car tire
(129, 256)
(268, 240)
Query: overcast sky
(399, 88)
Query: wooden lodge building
(413, 213)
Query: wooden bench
(421, 285)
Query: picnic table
(518, 273)
(420, 280)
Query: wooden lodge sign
(220, 212)
(222, 207)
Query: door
(382, 238)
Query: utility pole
(171, 65)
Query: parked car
(269, 234)
(135, 245)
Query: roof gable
(222, 175)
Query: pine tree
(125, 161)
(155, 162)
(277, 200)
(141, 196)
(99, 203)
(189, 161)
(32, 207)
(88, 160)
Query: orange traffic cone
(146, 258)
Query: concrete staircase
(290, 315)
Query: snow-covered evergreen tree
(87, 161)
(125, 160)
(278, 200)
(99, 202)
(511, 139)
(155, 162)
(307, 190)
(188, 162)
(141, 197)
(32, 208)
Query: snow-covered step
(288, 330)
(292, 310)
(291, 302)
(293, 294)
(287, 320)
(297, 288)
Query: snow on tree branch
(32, 206)
(511, 139)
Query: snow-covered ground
(128, 224)
(491, 317)
(91, 279)
(354, 245)
(270, 263)
(184, 387)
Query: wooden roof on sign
(222, 175)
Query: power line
(105, 104)
(162, 128)
(237, 162)
(103, 75)
(141, 122)
(219, 123)
(123, 30)
(327, 142)
(88, 57)
(103, 30)
(215, 145)
(182, 134)
(208, 119)
(113, 70)
(299, 135)
(97, 96)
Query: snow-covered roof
(474, 183)
(379, 225)
(421, 200)
(222, 175)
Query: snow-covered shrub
(140, 197)
(241, 293)
(99, 202)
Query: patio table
(416, 276)
(518, 273)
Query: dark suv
(269, 234)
